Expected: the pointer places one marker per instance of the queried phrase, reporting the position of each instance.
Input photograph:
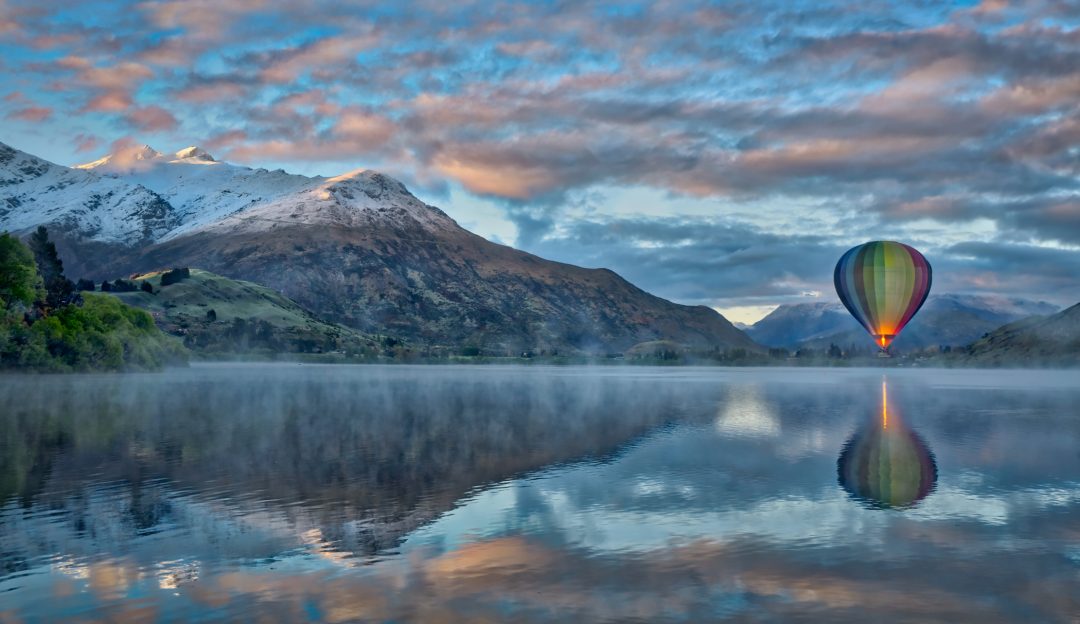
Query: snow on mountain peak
(348, 175)
(197, 192)
(139, 156)
(194, 153)
(372, 183)
(126, 158)
(99, 208)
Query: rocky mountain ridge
(357, 249)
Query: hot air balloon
(882, 284)
(885, 464)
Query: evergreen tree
(59, 290)
(19, 282)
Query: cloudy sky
(717, 153)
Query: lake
(287, 492)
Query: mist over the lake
(539, 493)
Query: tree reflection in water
(424, 494)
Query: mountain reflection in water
(310, 493)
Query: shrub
(174, 276)
(146, 287)
(103, 333)
(122, 285)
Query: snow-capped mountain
(96, 207)
(145, 196)
(121, 162)
(945, 319)
(790, 324)
(205, 192)
(357, 248)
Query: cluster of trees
(48, 324)
(175, 275)
(122, 285)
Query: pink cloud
(86, 142)
(314, 99)
(110, 87)
(928, 83)
(321, 54)
(1033, 96)
(31, 113)
(74, 62)
(1052, 139)
(509, 180)
(109, 102)
(172, 52)
(216, 91)
(200, 19)
(126, 154)
(227, 139)
(364, 127)
(7, 19)
(151, 119)
(114, 77)
(51, 41)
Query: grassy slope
(269, 321)
(192, 297)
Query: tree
(123, 285)
(146, 287)
(85, 285)
(59, 290)
(169, 278)
(19, 279)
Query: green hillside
(215, 314)
(46, 326)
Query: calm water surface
(486, 494)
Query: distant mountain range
(357, 249)
(944, 320)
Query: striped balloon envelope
(883, 284)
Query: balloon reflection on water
(886, 464)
